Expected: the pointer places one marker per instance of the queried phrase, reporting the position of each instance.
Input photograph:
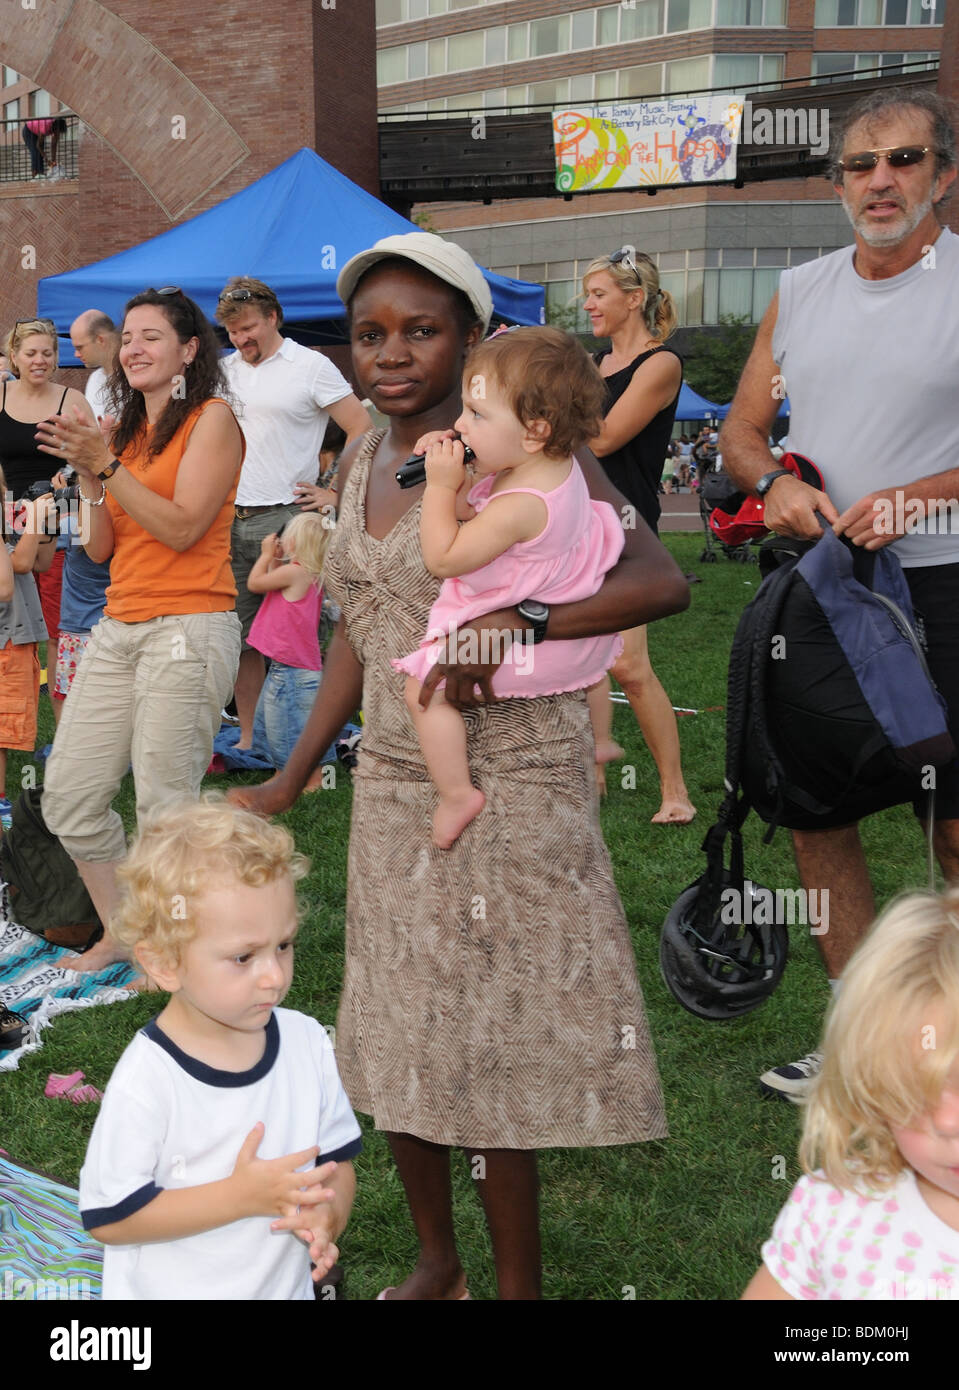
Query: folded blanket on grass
(44, 1251)
(31, 984)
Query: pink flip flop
(69, 1088)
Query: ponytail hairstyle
(631, 270)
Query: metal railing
(906, 69)
(15, 162)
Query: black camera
(414, 469)
(60, 494)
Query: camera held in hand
(42, 488)
(413, 471)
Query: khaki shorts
(150, 694)
(246, 537)
(19, 694)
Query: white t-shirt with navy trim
(829, 1243)
(169, 1121)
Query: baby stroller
(718, 493)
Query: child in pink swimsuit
(531, 531)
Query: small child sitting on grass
(199, 1178)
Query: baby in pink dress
(529, 531)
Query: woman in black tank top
(625, 304)
(32, 351)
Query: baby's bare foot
(454, 814)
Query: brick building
(179, 105)
(719, 250)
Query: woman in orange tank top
(161, 663)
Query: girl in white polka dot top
(876, 1215)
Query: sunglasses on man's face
(899, 157)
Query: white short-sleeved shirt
(832, 1244)
(169, 1121)
(283, 412)
(96, 392)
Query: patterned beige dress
(490, 996)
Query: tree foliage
(714, 366)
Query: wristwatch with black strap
(767, 480)
(537, 615)
(110, 469)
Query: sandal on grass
(14, 1029)
(68, 1088)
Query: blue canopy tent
(294, 228)
(693, 406)
(781, 414)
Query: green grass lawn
(681, 1218)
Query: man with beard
(866, 344)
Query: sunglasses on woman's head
(899, 157)
(623, 258)
(44, 323)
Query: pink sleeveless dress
(566, 562)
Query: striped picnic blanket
(31, 985)
(44, 1251)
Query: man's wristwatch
(110, 469)
(767, 480)
(537, 615)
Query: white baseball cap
(444, 259)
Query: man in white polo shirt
(96, 342)
(286, 393)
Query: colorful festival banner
(683, 140)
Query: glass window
(687, 75)
(583, 27)
(897, 11)
(689, 14)
(772, 255)
(827, 14)
(464, 4)
(518, 42)
(465, 101)
(554, 92)
(549, 36)
(870, 12)
(711, 259)
(438, 6)
(496, 98)
(736, 293)
(642, 22)
(696, 259)
(735, 70)
(417, 9)
(775, 13)
(416, 60)
(496, 45)
(581, 87)
(675, 284)
(694, 297)
(644, 81)
(710, 296)
(737, 257)
(562, 270)
(389, 11)
(672, 260)
(771, 68)
(436, 104)
(10, 76)
(607, 25)
(390, 66)
(436, 56)
(607, 86)
(516, 96)
(824, 65)
(464, 51)
(765, 284)
(733, 13)
(11, 111)
(799, 255)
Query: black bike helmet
(720, 970)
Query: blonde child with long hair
(876, 1215)
(531, 397)
(286, 629)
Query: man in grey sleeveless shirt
(866, 343)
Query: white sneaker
(55, 174)
(794, 1081)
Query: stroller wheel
(709, 557)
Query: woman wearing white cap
(488, 988)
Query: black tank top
(637, 466)
(20, 459)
